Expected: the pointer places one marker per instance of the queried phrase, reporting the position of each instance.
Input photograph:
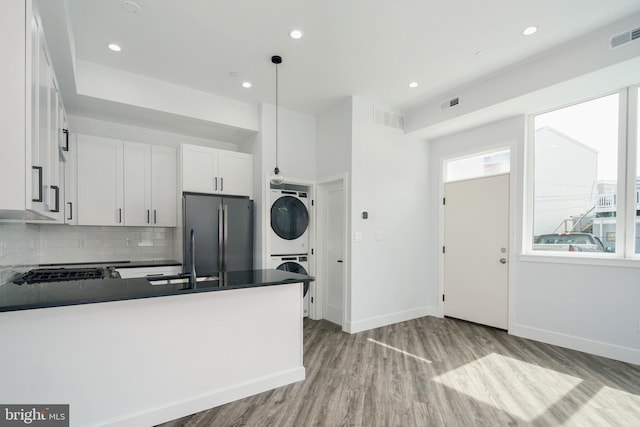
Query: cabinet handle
(119, 215)
(221, 184)
(216, 179)
(39, 170)
(155, 217)
(66, 139)
(148, 217)
(57, 190)
(70, 211)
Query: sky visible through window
(594, 124)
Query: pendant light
(276, 178)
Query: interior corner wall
(389, 180)
(584, 307)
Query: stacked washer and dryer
(289, 234)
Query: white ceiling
(372, 48)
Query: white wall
(389, 180)
(106, 129)
(588, 308)
(333, 145)
(296, 143)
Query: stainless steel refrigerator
(222, 233)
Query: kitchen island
(143, 354)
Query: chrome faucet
(193, 277)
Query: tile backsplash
(19, 249)
(24, 245)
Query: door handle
(66, 137)
(155, 217)
(340, 261)
(39, 170)
(503, 260)
(148, 217)
(216, 181)
(70, 211)
(221, 184)
(119, 215)
(57, 205)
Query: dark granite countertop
(115, 264)
(55, 294)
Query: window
(478, 165)
(584, 192)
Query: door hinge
(444, 200)
(443, 249)
(442, 297)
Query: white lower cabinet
(125, 183)
(133, 272)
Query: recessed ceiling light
(529, 30)
(246, 84)
(114, 47)
(131, 6)
(295, 34)
(413, 84)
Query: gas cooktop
(45, 275)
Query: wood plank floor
(438, 372)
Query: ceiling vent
(450, 103)
(386, 118)
(624, 38)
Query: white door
(333, 298)
(476, 235)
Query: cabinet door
(41, 149)
(200, 169)
(164, 186)
(137, 184)
(236, 173)
(100, 187)
(70, 182)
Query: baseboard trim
(599, 348)
(215, 398)
(390, 319)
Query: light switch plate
(358, 236)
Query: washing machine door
(289, 218)
(294, 267)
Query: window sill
(581, 259)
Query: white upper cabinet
(236, 173)
(164, 188)
(137, 184)
(124, 183)
(99, 181)
(28, 113)
(208, 170)
(150, 185)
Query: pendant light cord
(276, 116)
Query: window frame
(627, 160)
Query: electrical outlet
(358, 236)
(82, 243)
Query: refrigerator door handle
(226, 235)
(220, 234)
